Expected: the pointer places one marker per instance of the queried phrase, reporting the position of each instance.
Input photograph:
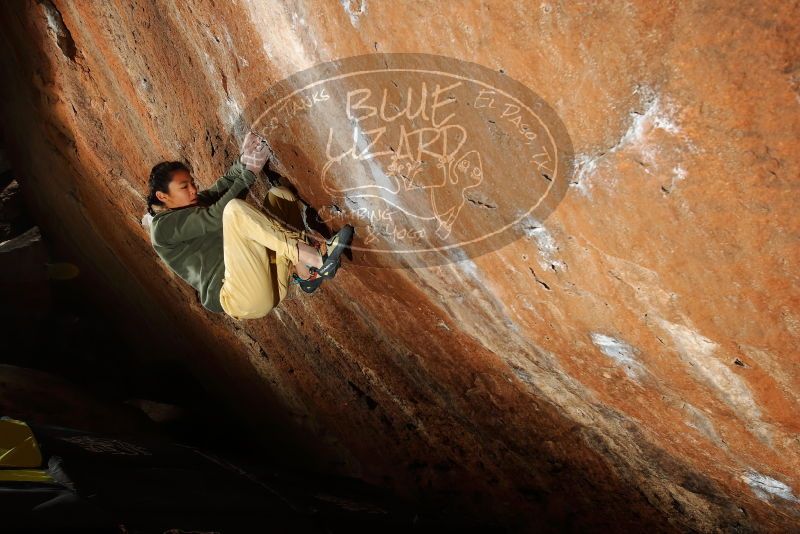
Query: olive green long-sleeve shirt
(189, 240)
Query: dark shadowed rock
(24, 289)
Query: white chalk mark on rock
(354, 10)
(621, 352)
(658, 115)
(545, 243)
(585, 167)
(698, 352)
(678, 175)
(232, 111)
(701, 422)
(765, 487)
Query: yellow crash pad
(18, 446)
(26, 475)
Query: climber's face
(182, 191)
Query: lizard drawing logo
(418, 177)
(430, 158)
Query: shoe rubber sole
(331, 262)
(336, 246)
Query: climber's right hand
(255, 152)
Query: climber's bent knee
(233, 206)
(282, 192)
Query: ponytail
(151, 199)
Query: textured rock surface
(632, 361)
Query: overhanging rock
(629, 360)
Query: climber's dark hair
(160, 177)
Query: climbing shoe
(334, 247)
(331, 252)
(310, 284)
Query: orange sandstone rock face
(630, 360)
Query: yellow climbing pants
(258, 252)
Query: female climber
(235, 256)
